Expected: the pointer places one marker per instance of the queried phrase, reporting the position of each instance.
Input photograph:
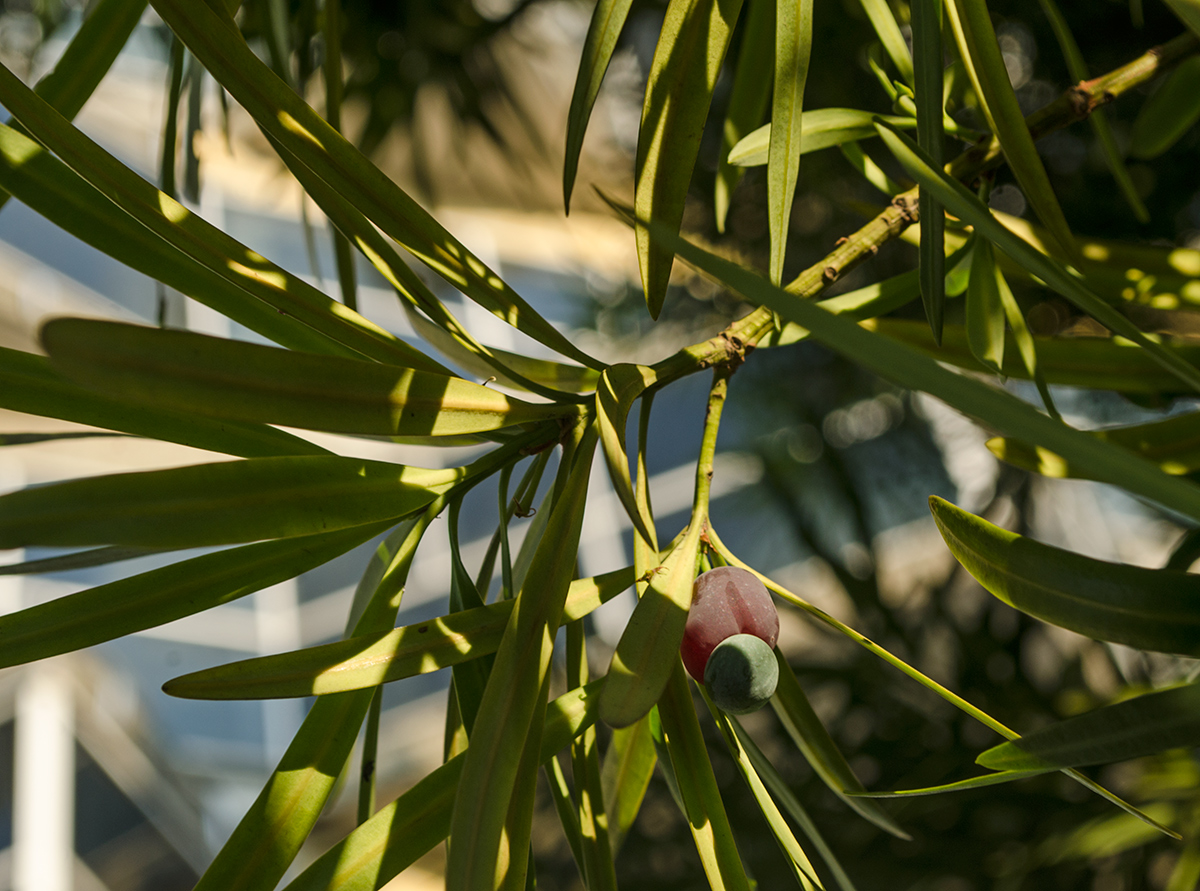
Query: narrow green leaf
(748, 98)
(76, 560)
(1098, 120)
(991, 779)
(687, 60)
(1170, 111)
(619, 387)
(985, 311)
(793, 49)
(868, 169)
(625, 777)
(564, 806)
(1025, 343)
(400, 833)
(963, 204)
(1188, 12)
(163, 595)
(927, 81)
(1149, 609)
(814, 742)
(820, 128)
(215, 40)
(802, 868)
(697, 785)
(182, 371)
(214, 504)
(608, 18)
(979, 44)
(648, 651)
(1186, 874)
(889, 33)
(1144, 725)
(489, 779)
(907, 368)
(28, 384)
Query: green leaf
(619, 387)
(1170, 111)
(400, 833)
(648, 651)
(212, 36)
(687, 60)
(28, 384)
(814, 742)
(697, 785)
(963, 204)
(889, 33)
(77, 560)
(1077, 68)
(748, 98)
(1150, 609)
(868, 169)
(625, 777)
(927, 57)
(1188, 12)
(991, 779)
(1144, 725)
(991, 81)
(182, 370)
(820, 128)
(489, 779)
(154, 598)
(985, 310)
(793, 49)
(608, 18)
(214, 504)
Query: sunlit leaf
(991, 779)
(883, 20)
(985, 311)
(1144, 725)
(619, 387)
(820, 128)
(625, 777)
(1150, 609)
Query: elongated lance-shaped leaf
(991, 81)
(1093, 362)
(748, 98)
(621, 385)
(1173, 444)
(1150, 609)
(908, 368)
(269, 836)
(697, 786)
(393, 839)
(608, 18)
(985, 311)
(76, 560)
(695, 35)
(814, 742)
(214, 504)
(1170, 112)
(510, 700)
(820, 128)
(1024, 339)
(793, 49)
(649, 647)
(1144, 725)
(28, 384)
(182, 370)
(625, 777)
(782, 793)
(1098, 120)
(927, 80)
(203, 242)
(802, 867)
(868, 169)
(55, 191)
(887, 29)
(1188, 12)
(990, 779)
(212, 36)
(965, 205)
(163, 595)
(331, 70)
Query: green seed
(741, 674)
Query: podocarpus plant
(289, 505)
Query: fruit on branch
(729, 603)
(741, 674)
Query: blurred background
(821, 480)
